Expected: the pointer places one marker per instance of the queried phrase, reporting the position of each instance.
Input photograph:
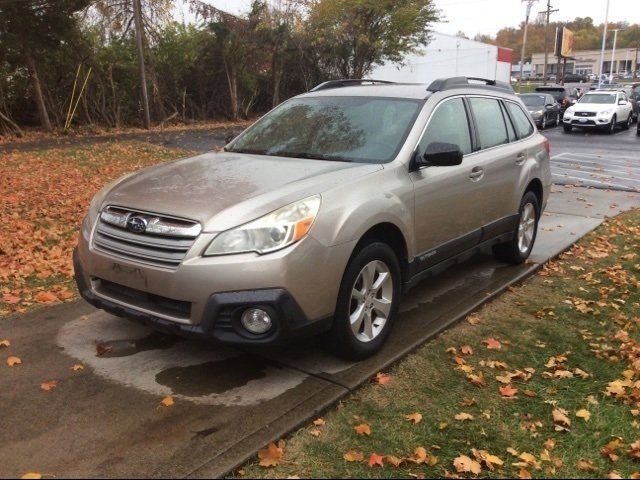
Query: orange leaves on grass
(508, 391)
(48, 386)
(363, 429)
(382, 379)
(492, 344)
(376, 460)
(464, 464)
(561, 420)
(167, 402)
(353, 456)
(414, 417)
(13, 361)
(271, 455)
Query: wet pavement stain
(126, 348)
(205, 433)
(214, 377)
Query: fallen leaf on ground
(376, 460)
(414, 417)
(466, 350)
(508, 391)
(464, 464)
(382, 379)
(167, 402)
(48, 386)
(584, 414)
(492, 344)
(393, 461)
(271, 455)
(102, 350)
(32, 476)
(45, 297)
(314, 432)
(586, 466)
(561, 420)
(463, 417)
(77, 368)
(363, 429)
(353, 456)
(13, 361)
(319, 422)
(5, 343)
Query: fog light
(256, 321)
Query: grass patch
(565, 324)
(43, 197)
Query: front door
(447, 218)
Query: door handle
(476, 174)
(521, 158)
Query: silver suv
(319, 216)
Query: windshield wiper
(250, 151)
(312, 156)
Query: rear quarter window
(521, 121)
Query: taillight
(547, 146)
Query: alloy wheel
(526, 228)
(371, 300)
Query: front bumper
(205, 297)
(587, 122)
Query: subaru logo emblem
(136, 224)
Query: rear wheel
(367, 302)
(518, 249)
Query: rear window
(558, 94)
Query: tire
(567, 128)
(611, 129)
(514, 251)
(343, 339)
(628, 123)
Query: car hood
(223, 190)
(593, 107)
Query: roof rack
(351, 82)
(443, 84)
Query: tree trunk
(232, 80)
(37, 89)
(11, 124)
(277, 77)
(140, 47)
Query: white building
(449, 56)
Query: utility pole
(548, 13)
(137, 16)
(524, 39)
(613, 53)
(604, 44)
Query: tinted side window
(448, 124)
(490, 123)
(520, 119)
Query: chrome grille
(164, 242)
(585, 114)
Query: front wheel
(567, 128)
(367, 302)
(628, 123)
(518, 249)
(612, 125)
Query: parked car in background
(605, 110)
(575, 78)
(543, 108)
(592, 77)
(565, 96)
(317, 217)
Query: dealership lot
(596, 159)
(106, 419)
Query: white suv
(600, 109)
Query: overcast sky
(489, 16)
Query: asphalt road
(596, 159)
(106, 420)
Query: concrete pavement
(105, 420)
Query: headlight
(570, 111)
(272, 232)
(538, 113)
(605, 112)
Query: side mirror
(622, 102)
(441, 154)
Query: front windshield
(599, 98)
(533, 100)
(353, 129)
